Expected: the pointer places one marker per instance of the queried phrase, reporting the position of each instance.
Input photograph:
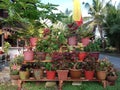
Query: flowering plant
(103, 64)
(14, 69)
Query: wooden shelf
(32, 61)
(56, 79)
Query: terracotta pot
(85, 41)
(28, 55)
(89, 75)
(40, 55)
(14, 77)
(95, 55)
(24, 75)
(62, 74)
(38, 73)
(82, 56)
(112, 78)
(33, 41)
(75, 73)
(101, 75)
(50, 74)
(72, 40)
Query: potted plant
(84, 35)
(42, 48)
(6, 47)
(89, 67)
(24, 72)
(82, 54)
(72, 33)
(93, 48)
(102, 68)
(38, 70)
(50, 70)
(62, 69)
(76, 70)
(14, 72)
(28, 54)
(112, 75)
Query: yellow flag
(77, 15)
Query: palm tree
(97, 11)
(112, 25)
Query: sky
(64, 4)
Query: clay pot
(24, 75)
(89, 75)
(38, 73)
(101, 75)
(72, 40)
(75, 73)
(50, 74)
(82, 56)
(14, 77)
(28, 55)
(33, 41)
(62, 74)
(95, 55)
(85, 41)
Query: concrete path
(113, 59)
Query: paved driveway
(113, 59)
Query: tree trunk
(118, 46)
(101, 35)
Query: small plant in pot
(89, 67)
(112, 75)
(102, 68)
(82, 54)
(24, 72)
(14, 72)
(38, 70)
(50, 70)
(42, 48)
(62, 69)
(93, 48)
(76, 70)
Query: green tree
(112, 25)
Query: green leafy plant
(14, 72)
(93, 46)
(50, 66)
(89, 63)
(103, 64)
(6, 47)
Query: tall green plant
(112, 26)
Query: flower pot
(28, 55)
(89, 75)
(85, 41)
(38, 73)
(14, 77)
(82, 56)
(101, 75)
(75, 73)
(72, 40)
(95, 55)
(111, 80)
(62, 74)
(33, 41)
(40, 55)
(50, 74)
(24, 75)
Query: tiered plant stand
(82, 79)
(20, 82)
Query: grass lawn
(66, 86)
